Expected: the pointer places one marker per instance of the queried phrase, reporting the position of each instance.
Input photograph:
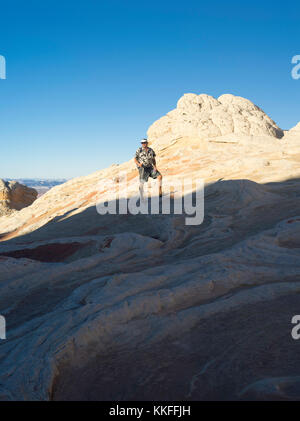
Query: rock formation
(126, 307)
(15, 196)
(206, 117)
(295, 130)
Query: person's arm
(137, 162)
(136, 157)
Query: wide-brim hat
(144, 141)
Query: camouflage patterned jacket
(147, 158)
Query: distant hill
(15, 196)
(41, 185)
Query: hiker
(146, 163)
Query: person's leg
(141, 189)
(144, 175)
(157, 175)
(159, 178)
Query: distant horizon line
(37, 178)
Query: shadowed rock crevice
(227, 356)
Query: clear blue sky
(85, 79)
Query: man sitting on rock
(146, 163)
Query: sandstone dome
(206, 117)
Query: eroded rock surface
(207, 117)
(125, 307)
(15, 196)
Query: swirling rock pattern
(113, 307)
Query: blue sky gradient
(85, 79)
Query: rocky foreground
(115, 307)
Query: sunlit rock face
(15, 196)
(125, 307)
(207, 117)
